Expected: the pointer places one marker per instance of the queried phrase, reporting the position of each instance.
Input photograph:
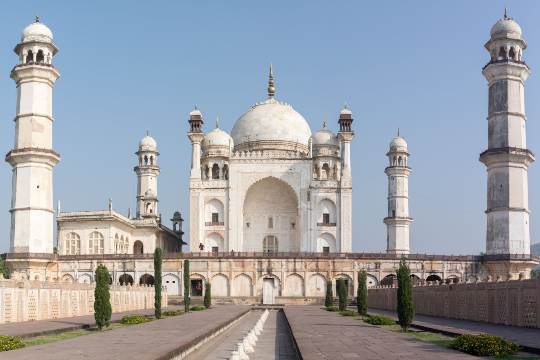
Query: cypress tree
(362, 293)
(342, 294)
(157, 283)
(4, 270)
(329, 300)
(405, 306)
(186, 285)
(102, 298)
(207, 295)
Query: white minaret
(196, 136)
(345, 136)
(507, 157)
(398, 219)
(32, 156)
(147, 173)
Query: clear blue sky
(129, 66)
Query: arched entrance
(271, 209)
(433, 278)
(389, 280)
(125, 279)
(146, 279)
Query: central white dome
(271, 125)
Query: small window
(393, 213)
(215, 217)
(293, 226)
(326, 218)
(326, 249)
(270, 222)
(215, 249)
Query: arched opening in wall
(400, 161)
(145, 159)
(67, 278)
(95, 243)
(452, 280)
(294, 286)
(214, 213)
(214, 242)
(270, 198)
(220, 285)
(389, 280)
(196, 287)
(502, 54)
(226, 172)
(270, 244)
(348, 284)
(146, 279)
(40, 58)
(125, 279)
(371, 281)
(215, 171)
(172, 283)
(151, 160)
(326, 243)
(72, 244)
(327, 213)
(512, 54)
(317, 285)
(138, 247)
(85, 279)
(416, 280)
(325, 172)
(206, 172)
(433, 277)
(242, 286)
(29, 57)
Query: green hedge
(134, 319)
(332, 308)
(484, 345)
(379, 320)
(172, 312)
(197, 308)
(348, 313)
(10, 343)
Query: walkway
(326, 335)
(160, 339)
(526, 337)
(42, 327)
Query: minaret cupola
(147, 172)
(36, 46)
(506, 43)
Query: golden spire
(271, 88)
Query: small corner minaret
(147, 172)
(196, 136)
(345, 137)
(398, 220)
(32, 156)
(507, 157)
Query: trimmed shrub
(157, 283)
(197, 308)
(4, 270)
(186, 286)
(348, 313)
(405, 306)
(341, 289)
(102, 297)
(379, 320)
(362, 293)
(207, 295)
(10, 343)
(332, 308)
(484, 345)
(329, 300)
(172, 312)
(134, 319)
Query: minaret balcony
(214, 223)
(323, 224)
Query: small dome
(272, 121)
(217, 137)
(37, 32)
(195, 112)
(398, 144)
(324, 137)
(345, 111)
(148, 143)
(506, 28)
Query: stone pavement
(275, 342)
(528, 338)
(160, 339)
(320, 334)
(42, 327)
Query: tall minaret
(507, 157)
(398, 219)
(32, 156)
(147, 172)
(196, 136)
(345, 136)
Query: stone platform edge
(185, 349)
(295, 343)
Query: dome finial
(505, 13)
(217, 122)
(324, 125)
(398, 132)
(147, 133)
(271, 88)
(37, 18)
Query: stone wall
(510, 302)
(39, 300)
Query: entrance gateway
(269, 291)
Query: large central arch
(271, 209)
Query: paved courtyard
(325, 335)
(161, 339)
